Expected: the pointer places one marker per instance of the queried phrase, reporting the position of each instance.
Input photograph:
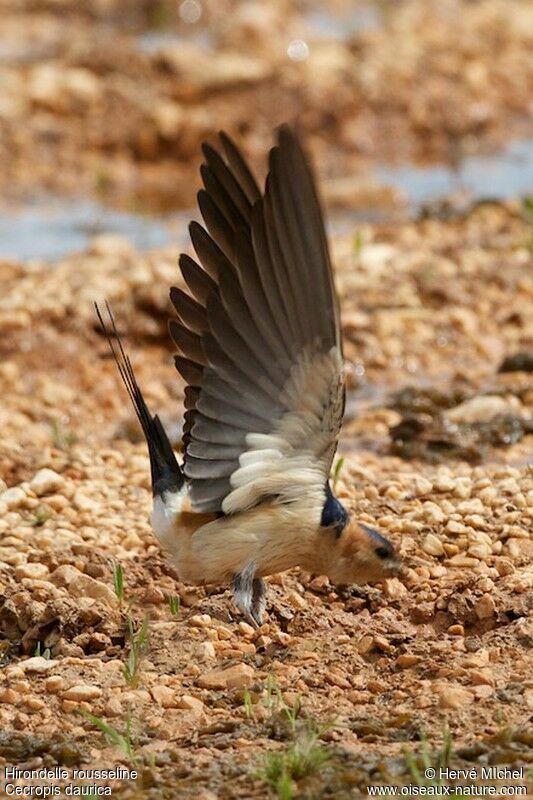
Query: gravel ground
(435, 306)
(102, 97)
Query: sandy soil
(434, 305)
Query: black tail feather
(165, 471)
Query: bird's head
(359, 554)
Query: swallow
(259, 348)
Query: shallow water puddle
(152, 42)
(326, 24)
(49, 228)
(504, 175)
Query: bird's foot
(250, 595)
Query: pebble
(9, 696)
(33, 703)
(46, 481)
(205, 651)
(485, 607)
(82, 691)
(38, 664)
(454, 696)
(407, 660)
(190, 703)
(394, 589)
(246, 629)
(432, 545)
(421, 486)
(365, 644)
(54, 684)
(164, 696)
(200, 621)
(235, 677)
(456, 630)
(31, 570)
(85, 586)
(297, 601)
(13, 498)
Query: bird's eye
(382, 552)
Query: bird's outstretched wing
(258, 335)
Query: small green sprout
(62, 438)
(358, 243)
(46, 653)
(335, 475)
(429, 762)
(139, 641)
(247, 703)
(305, 756)
(121, 740)
(42, 514)
(118, 581)
(174, 604)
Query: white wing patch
(297, 455)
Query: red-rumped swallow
(259, 343)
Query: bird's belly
(270, 539)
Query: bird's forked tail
(165, 470)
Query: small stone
(114, 708)
(365, 644)
(297, 601)
(407, 660)
(236, 677)
(33, 703)
(485, 607)
(9, 696)
(38, 664)
(32, 570)
(482, 677)
(190, 703)
(205, 651)
(200, 621)
(483, 691)
(46, 481)
(85, 586)
(394, 588)
(456, 630)
(13, 498)
(246, 629)
(460, 560)
(382, 644)
(455, 527)
(422, 487)
(432, 545)
(164, 696)
(454, 696)
(81, 692)
(54, 684)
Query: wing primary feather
(226, 178)
(240, 168)
(190, 372)
(220, 197)
(191, 313)
(188, 342)
(217, 225)
(198, 281)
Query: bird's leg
(249, 595)
(258, 600)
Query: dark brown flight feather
(262, 296)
